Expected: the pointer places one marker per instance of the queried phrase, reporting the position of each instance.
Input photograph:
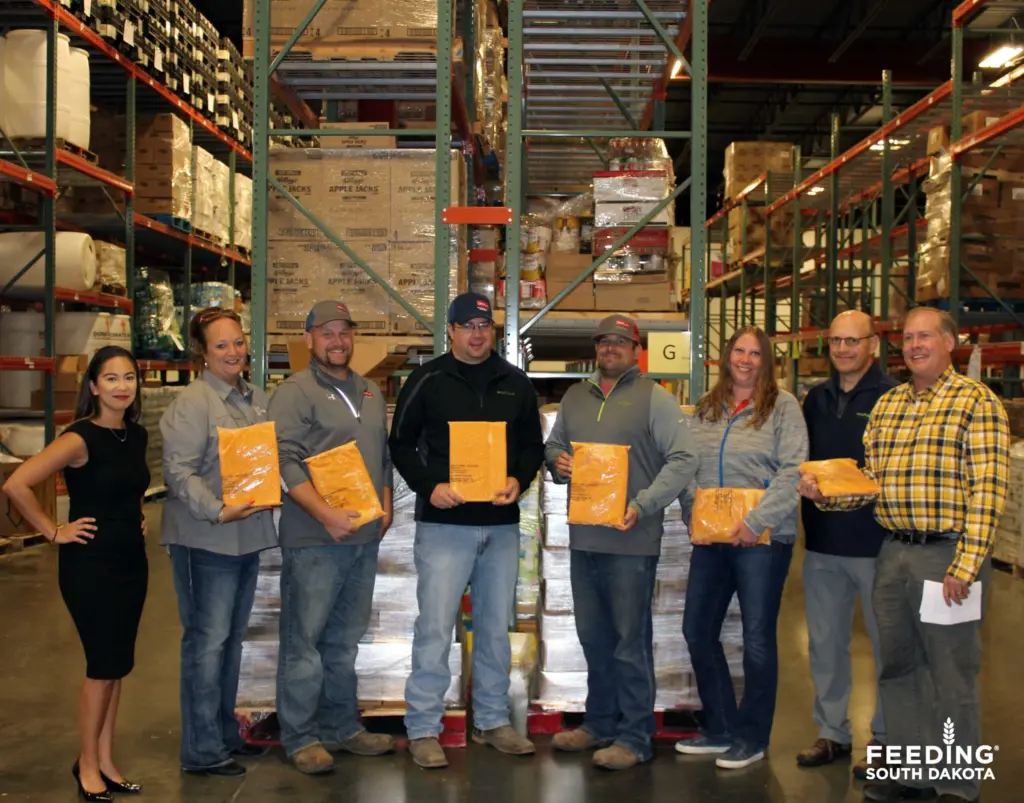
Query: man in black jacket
(461, 542)
(841, 547)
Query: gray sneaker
(427, 753)
(504, 740)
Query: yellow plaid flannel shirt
(942, 460)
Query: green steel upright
(442, 171)
(515, 165)
(888, 211)
(698, 196)
(956, 131)
(260, 154)
(48, 210)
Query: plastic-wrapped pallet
(212, 294)
(385, 650)
(243, 211)
(528, 581)
(1010, 530)
(110, 265)
(157, 332)
(163, 167)
(212, 202)
(155, 402)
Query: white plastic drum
(25, 84)
(80, 120)
(75, 257)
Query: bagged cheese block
(840, 477)
(717, 510)
(598, 491)
(477, 462)
(249, 468)
(340, 476)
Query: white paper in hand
(935, 611)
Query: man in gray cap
(613, 568)
(328, 558)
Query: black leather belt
(909, 537)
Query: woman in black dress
(103, 572)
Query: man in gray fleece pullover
(613, 569)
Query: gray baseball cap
(618, 325)
(327, 311)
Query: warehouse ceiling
(778, 69)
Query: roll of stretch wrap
(75, 261)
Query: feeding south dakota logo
(946, 762)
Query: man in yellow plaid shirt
(938, 447)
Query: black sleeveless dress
(104, 582)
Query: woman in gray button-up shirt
(214, 548)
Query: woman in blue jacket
(747, 434)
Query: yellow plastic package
(598, 491)
(477, 459)
(717, 510)
(840, 477)
(249, 469)
(341, 478)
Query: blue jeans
(447, 558)
(757, 575)
(215, 597)
(612, 599)
(326, 599)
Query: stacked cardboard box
(163, 167)
(381, 204)
(155, 402)
(991, 210)
(212, 196)
(745, 162)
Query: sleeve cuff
(293, 476)
(963, 569)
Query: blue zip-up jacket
(733, 454)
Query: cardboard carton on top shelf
(632, 297)
(583, 298)
(353, 141)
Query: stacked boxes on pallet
(380, 203)
(992, 213)
(163, 167)
(1009, 539)
(234, 94)
(212, 196)
(562, 679)
(243, 211)
(385, 651)
(343, 23)
(745, 163)
(155, 402)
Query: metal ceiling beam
(856, 33)
(759, 30)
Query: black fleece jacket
(437, 393)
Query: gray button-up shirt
(192, 468)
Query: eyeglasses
(849, 342)
(473, 327)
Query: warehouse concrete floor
(42, 665)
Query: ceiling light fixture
(1001, 57)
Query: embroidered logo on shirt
(506, 393)
(368, 394)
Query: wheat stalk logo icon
(948, 731)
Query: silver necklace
(114, 433)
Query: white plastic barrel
(74, 261)
(80, 119)
(25, 84)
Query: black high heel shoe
(92, 797)
(121, 787)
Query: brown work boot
(616, 757)
(825, 751)
(313, 760)
(860, 771)
(504, 740)
(576, 741)
(427, 753)
(365, 743)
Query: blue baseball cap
(467, 307)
